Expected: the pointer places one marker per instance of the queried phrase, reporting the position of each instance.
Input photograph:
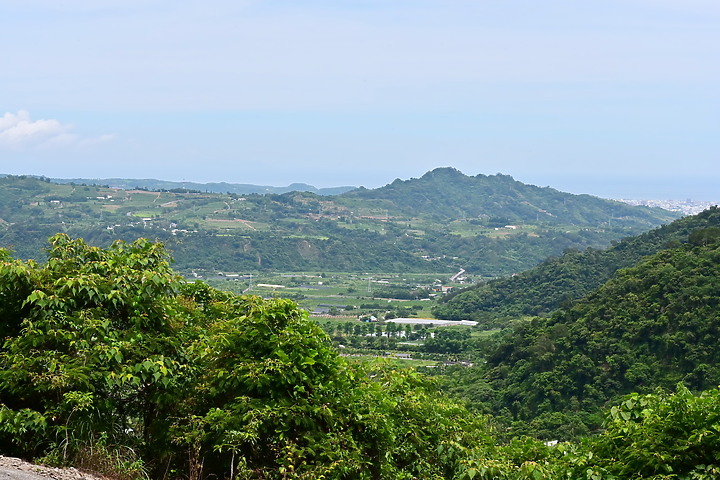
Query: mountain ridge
(446, 192)
(444, 221)
(211, 187)
(543, 288)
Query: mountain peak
(446, 171)
(447, 193)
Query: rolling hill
(543, 288)
(446, 194)
(212, 187)
(441, 222)
(652, 325)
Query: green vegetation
(651, 325)
(495, 201)
(441, 222)
(111, 362)
(559, 280)
(340, 294)
(108, 354)
(652, 436)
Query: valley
(572, 359)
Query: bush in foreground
(109, 355)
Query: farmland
(438, 224)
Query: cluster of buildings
(687, 207)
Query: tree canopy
(652, 325)
(107, 350)
(111, 362)
(546, 287)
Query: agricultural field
(438, 224)
(342, 294)
(356, 310)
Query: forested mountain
(387, 229)
(447, 194)
(546, 286)
(651, 325)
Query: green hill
(498, 200)
(366, 230)
(652, 325)
(111, 363)
(546, 286)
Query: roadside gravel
(16, 469)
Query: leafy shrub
(111, 362)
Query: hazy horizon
(617, 99)
(593, 186)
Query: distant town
(687, 207)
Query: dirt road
(16, 469)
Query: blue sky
(612, 98)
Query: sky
(616, 98)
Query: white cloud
(19, 130)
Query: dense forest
(110, 357)
(543, 288)
(111, 362)
(651, 325)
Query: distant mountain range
(218, 187)
(686, 207)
